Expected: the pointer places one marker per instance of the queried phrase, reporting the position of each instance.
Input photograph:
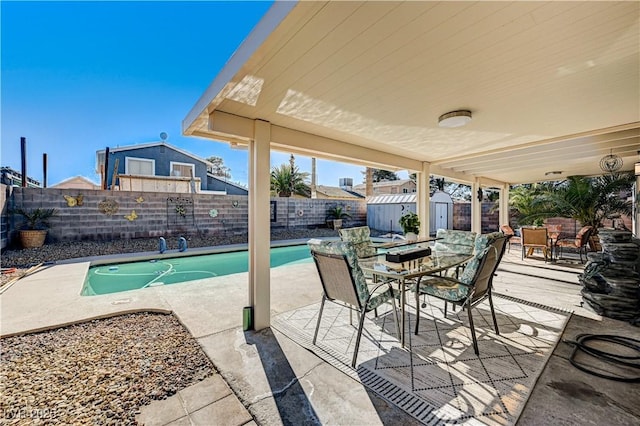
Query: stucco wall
(167, 214)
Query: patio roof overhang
(552, 86)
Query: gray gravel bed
(99, 372)
(51, 252)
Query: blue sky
(80, 76)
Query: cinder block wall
(166, 214)
(462, 217)
(306, 212)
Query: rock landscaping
(98, 372)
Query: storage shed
(440, 212)
(384, 211)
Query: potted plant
(335, 215)
(35, 225)
(410, 224)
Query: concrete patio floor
(266, 378)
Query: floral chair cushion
(360, 237)
(455, 241)
(482, 243)
(445, 289)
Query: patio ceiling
(552, 86)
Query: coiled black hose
(632, 361)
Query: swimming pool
(105, 279)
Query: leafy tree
(287, 180)
(380, 175)
(219, 169)
(456, 190)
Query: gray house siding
(163, 156)
(215, 184)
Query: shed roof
(392, 199)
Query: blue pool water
(104, 279)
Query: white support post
(423, 201)
(260, 225)
(476, 208)
(504, 205)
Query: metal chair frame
(482, 281)
(583, 243)
(339, 286)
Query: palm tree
(590, 200)
(287, 180)
(529, 203)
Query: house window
(140, 166)
(405, 190)
(182, 169)
(100, 162)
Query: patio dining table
(410, 272)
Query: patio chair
(474, 285)
(360, 237)
(579, 242)
(343, 281)
(454, 241)
(514, 239)
(535, 239)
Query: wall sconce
(480, 194)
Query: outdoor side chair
(343, 281)
(579, 242)
(474, 285)
(514, 239)
(535, 239)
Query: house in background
(160, 167)
(401, 186)
(333, 192)
(343, 192)
(221, 185)
(10, 177)
(76, 182)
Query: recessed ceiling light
(455, 118)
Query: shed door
(442, 215)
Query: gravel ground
(98, 372)
(23, 258)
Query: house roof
(336, 192)
(152, 144)
(76, 179)
(552, 86)
(225, 181)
